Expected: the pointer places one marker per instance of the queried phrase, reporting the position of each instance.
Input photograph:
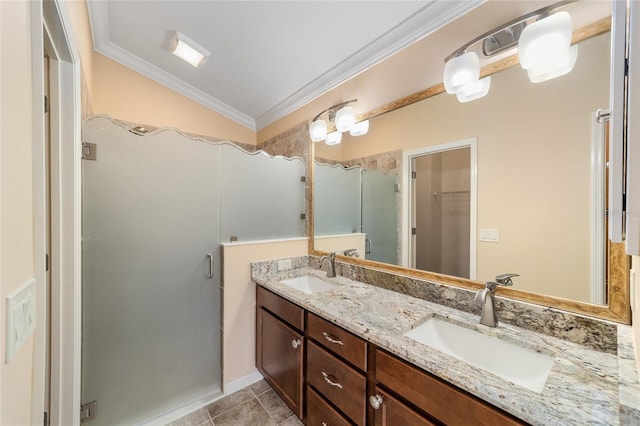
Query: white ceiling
(268, 58)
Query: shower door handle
(210, 274)
(367, 245)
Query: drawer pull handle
(324, 424)
(295, 343)
(331, 380)
(332, 339)
(375, 401)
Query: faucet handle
(352, 252)
(491, 286)
(505, 279)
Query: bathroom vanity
(342, 370)
(339, 356)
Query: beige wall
(115, 90)
(239, 295)
(16, 202)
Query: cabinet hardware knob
(331, 380)
(375, 401)
(295, 343)
(332, 339)
(324, 424)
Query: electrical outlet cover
(21, 317)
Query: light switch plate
(21, 317)
(489, 235)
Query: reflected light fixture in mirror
(344, 120)
(544, 50)
(334, 138)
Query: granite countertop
(585, 386)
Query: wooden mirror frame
(618, 308)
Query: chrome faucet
(331, 272)
(485, 298)
(352, 252)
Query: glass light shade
(474, 90)
(460, 71)
(360, 128)
(188, 50)
(334, 138)
(345, 118)
(545, 42)
(561, 67)
(318, 130)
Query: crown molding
(422, 23)
(425, 21)
(99, 20)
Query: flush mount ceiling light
(543, 40)
(344, 119)
(188, 50)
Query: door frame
(65, 260)
(407, 204)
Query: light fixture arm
(536, 13)
(333, 108)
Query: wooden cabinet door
(391, 412)
(280, 355)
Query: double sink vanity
(341, 351)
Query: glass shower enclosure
(155, 210)
(151, 297)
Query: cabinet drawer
(320, 413)
(338, 340)
(339, 383)
(443, 401)
(282, 308)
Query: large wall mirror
(514, 182)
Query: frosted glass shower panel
(262, 196)
(380, 215)
(336, 199)
(151, 315)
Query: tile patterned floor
(255, 405)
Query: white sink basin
(519, 365)
(309, 284)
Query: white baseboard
(183, 410)
(192, 406)
(242, 382)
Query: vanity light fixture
(545, 49)
(188, 50)
(334, 138)
(344, 119)
(542, 37)
(360, 128)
